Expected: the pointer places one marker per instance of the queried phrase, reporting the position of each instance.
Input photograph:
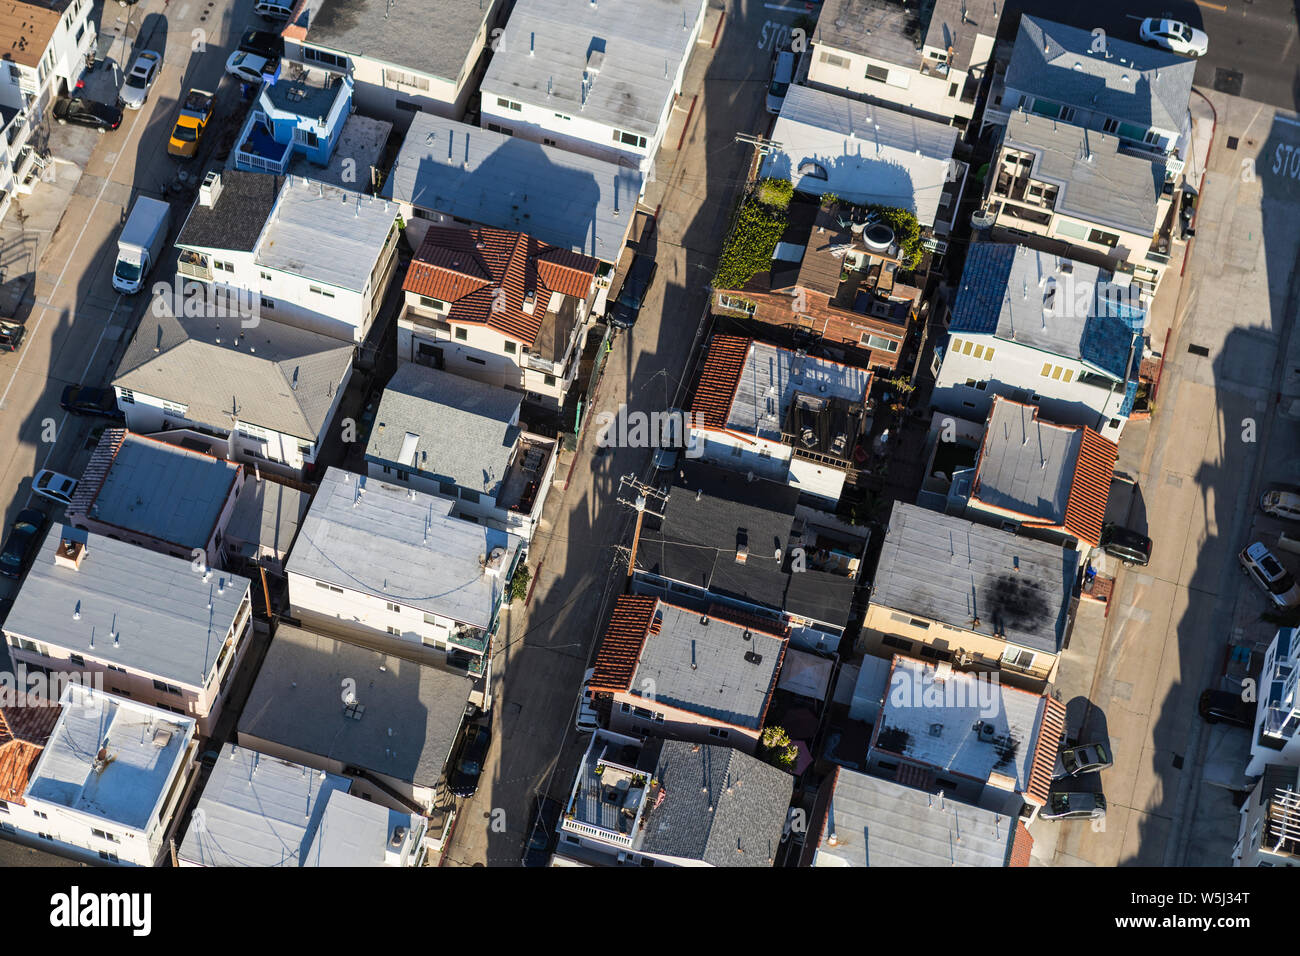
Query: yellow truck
(196, 111)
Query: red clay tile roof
(23, 733)
(1022, 844)
(1045, 750)
(718, 380)
(484, 275)
(620, 651)
(1085, 510)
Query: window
(503, 130)
(462, 334)
(1067, 114)
(305, 449)
(114, 667)
(979, 351)
(629, 139)
(46, 836)
(159, 685)
(395, 608)
(40, 815)
(1047, 369)
(319, 291)
(508, 104)
(956, 345)
(104, 835)
(966, 347)
(625, 708)
(387, 470)
(4, 807)
(77, 660)
(548, 379)
(266, 276)
(988, 354)
(1056, 372)
(267, 303)
(839, 62)
(475, 361)
(736, 304)
(174, 410)
(433, 303)
(1109, 125)
(720, 733)
(329, 587)
(879, 342)
(81, 31)
(126, 396)
(1152, 138)
(1114, 423)
(511, 348)
(877, 73)
(471, 496)
(398, 78)
(547, 141)
(403, 475)
(223, 266)
(306, 137)
(1014, 657)
(561, 116)
(447, 488)
(952, 89)
(1069, 374)
(395, 631)
(320, 56)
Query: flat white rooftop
(325, 233)
(613, 62)
(143, 749)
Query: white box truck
(141, 243)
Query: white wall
(1020, 367)
(905, 87)
(747, 454)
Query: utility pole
(636, 494)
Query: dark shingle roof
(983, 287)
(236, 219)
(719, 806)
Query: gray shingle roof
(882, 823)
(955, 571)
(401, 546)
(155, 603)
(432, 38)
(721, 807)
(894, 33)
(564, 199)
(235, 221)
(267, 515)
(1144, 85)
(465, 429)
(257, 810)
(296, 702)
(1097, 183)
(178, 358)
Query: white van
(587, 721)
(1281, 504)
(273, 9)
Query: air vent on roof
(753, 658)
(210, 191)
(162, 737)
(936, 730)
(398, 837)
(70, 554)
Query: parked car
(80, 111)
(24, 537)
(11, 336)
(468, 762)
(1281, 504)
(1174, 35)
(195, 114)
(274, 10)
(543, 832)
(248, 67)
(1129, 546)
(58, 488)
(81, 400)
(1225, 707)
(587, 719)
(1278, 583)
(782, 77)
(635, 286)
(140, 80)
(262, 42)
(1074, 806)
(1085, 758)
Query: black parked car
(11, 336)
(80, 111)
(1225, 707)
(635, 286)
(81, 400)
(24, 538)
(543, 832)
(1129, 546)
(468, 762)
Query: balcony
(538, 364)
(258, 151)
(473, 639)
(194, 266)
(526, 475)
(610, 795)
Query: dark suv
(1225, 707)
(1129, 546)
(635, 286)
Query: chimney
(530, 301)
(70, 553)
(210, 191)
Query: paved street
(77, 325)
(1222, 430)
(1253, 48)
(541, 667)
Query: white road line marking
(59, 281)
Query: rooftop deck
(527, 471)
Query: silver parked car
(135, 90)
(1074, 806)
(1085, 758)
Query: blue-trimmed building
(300, 114)
(1041, 329)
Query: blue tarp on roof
(983, 287)
(1130, 396)
(1108, 335)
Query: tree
(778, 750)
(519, 582)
